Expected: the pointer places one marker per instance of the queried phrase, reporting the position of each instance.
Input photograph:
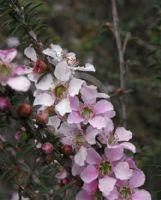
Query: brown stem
(120, 48)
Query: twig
(121, 50)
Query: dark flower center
(86, 112)
(105, 168)
(59, 91)
(125, 193)
(5, 70)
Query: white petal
(44, 99)
(88, 67)
(34, 77)
(63, 107)
(103, 95)
(54, 121)
(19, 83)
(62, 72)
(75, 86)
(31, 54)
(45, 83)
(80, 156)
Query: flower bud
(4, 104)
(67, 149)
(40, 67)
(25, 110)
(18, 135)
(64, 181)
(47, 148)
(42, 118)
(119, 91)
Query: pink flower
(89, 112)
(4, 104)
(11, 74)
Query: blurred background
(84, 26)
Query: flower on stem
(12, 74)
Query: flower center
(111, 139)
(59, 91)
(126, 193)
(80, 139)
(105, 168)
(86, 112)
(5, 70)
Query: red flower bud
(41, 118)
(4, 104)
(64, 181)
(119, 91)
(25, 110)
(47, 148)
(67, 149)
(40, 67)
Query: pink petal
(8, 55)
(129, 146)
(113, 195)
(137, 179)
(91, 187)
(123, 134)
(89, 174)
(106, 185)
(114, 153)
(93, 157)
(74, 103)
(91, 134)
(89, 94)
(83, 195)
(98, 122)
(103, 106)
(141, 195)
(122, 171)
(74, 117)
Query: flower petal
(84, 195)
(74, 103)
(89, 94)
(43, 99)
(81, 156)
(87, 68)
(103, 106)
(75, 86)
(45, 83)
(74, 118)
(91, 134)
(63, 107)
(106, 185)
(93, 157)
(98, 122)
(137, 179)
(31, 54)
(62, 72)
(19, 83)
(89, 174)
(123, 134)
(141, 195)
(114, 153)
(129, 146)
(122, 171)
(8, 55)
(54, 121)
